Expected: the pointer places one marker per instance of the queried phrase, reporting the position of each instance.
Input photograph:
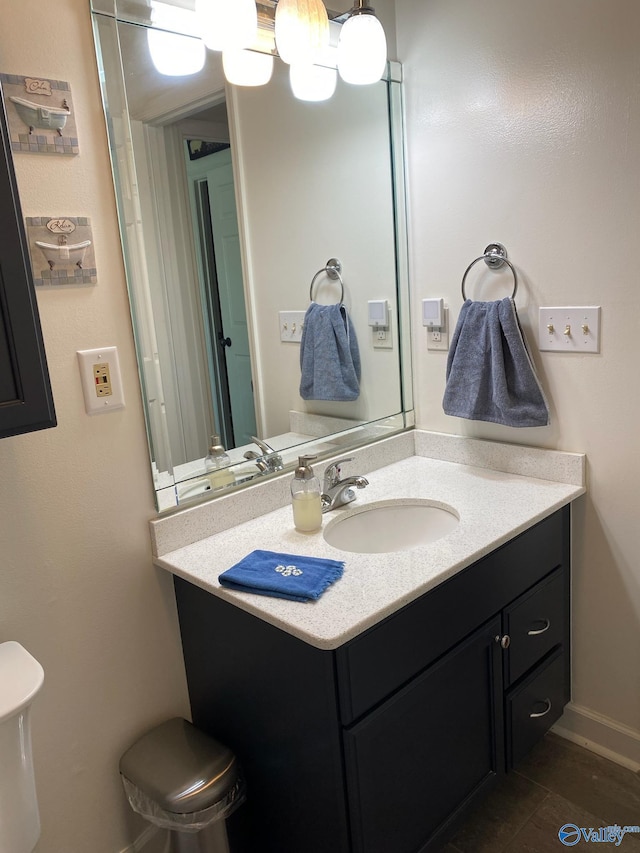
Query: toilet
(21, 677)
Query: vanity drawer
(533, 707)
(383, 659)
(535, 622)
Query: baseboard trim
(601, 735)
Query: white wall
(77, 587)
(524, 127)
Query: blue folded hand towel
(490, 375)
(291, 576)
(329, 355)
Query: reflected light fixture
(247, 67)
(312, 82)
(178, 52)
(227, 24)
(362, 48)
(302, 30)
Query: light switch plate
(291, 323)
(101, 380)
(569, 329)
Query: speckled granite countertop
(493, 507)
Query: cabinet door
(419, 758)
(26, 403)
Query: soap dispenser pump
(216, 464)
(305, 497)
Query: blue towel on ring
(490, 374)
(291, 576)
(330, 366)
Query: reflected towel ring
(332, 269)
(495, 255)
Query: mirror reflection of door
(212, 194)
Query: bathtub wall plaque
(41, 115)
(61, 250)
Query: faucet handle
(332, 472)
(264, 447)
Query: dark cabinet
(415, 760)
(384, 743)
(26, 402)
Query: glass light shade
(175, 55)
(362, 50)
(302, 30)
(227, 24)
(246, 67)
(312, 82)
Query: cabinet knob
(504, 641)
(535, 716)
(535, 631)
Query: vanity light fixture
(302, 30)
(173, 44)
(362, 48)
(312, 82)
(302, 33)
(227, 24)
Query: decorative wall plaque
(61, 250)
(41, 115)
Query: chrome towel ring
(495, 255)
(332, 270)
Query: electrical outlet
(382, 338)
(101, 380)
(438, 339)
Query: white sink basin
(391, 526)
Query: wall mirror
(232, 200)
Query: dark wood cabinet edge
(34, 410)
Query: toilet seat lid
(21, 677)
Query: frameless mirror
(234, 205)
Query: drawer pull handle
(504, 641)
(535, 716)
(535, 632)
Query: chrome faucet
(337, 492)
(269, 461)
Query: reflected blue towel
(329, 355)
(289, 576)
(490, 375)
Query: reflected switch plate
(291, 323)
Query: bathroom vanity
(372, 719)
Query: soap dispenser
(305, 497)
(216, 464)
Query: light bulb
(246, 67)
(302, 30)
(312, 82)
(175, 55)
(227, 24)
(362, 50)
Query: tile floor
(557, 783)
